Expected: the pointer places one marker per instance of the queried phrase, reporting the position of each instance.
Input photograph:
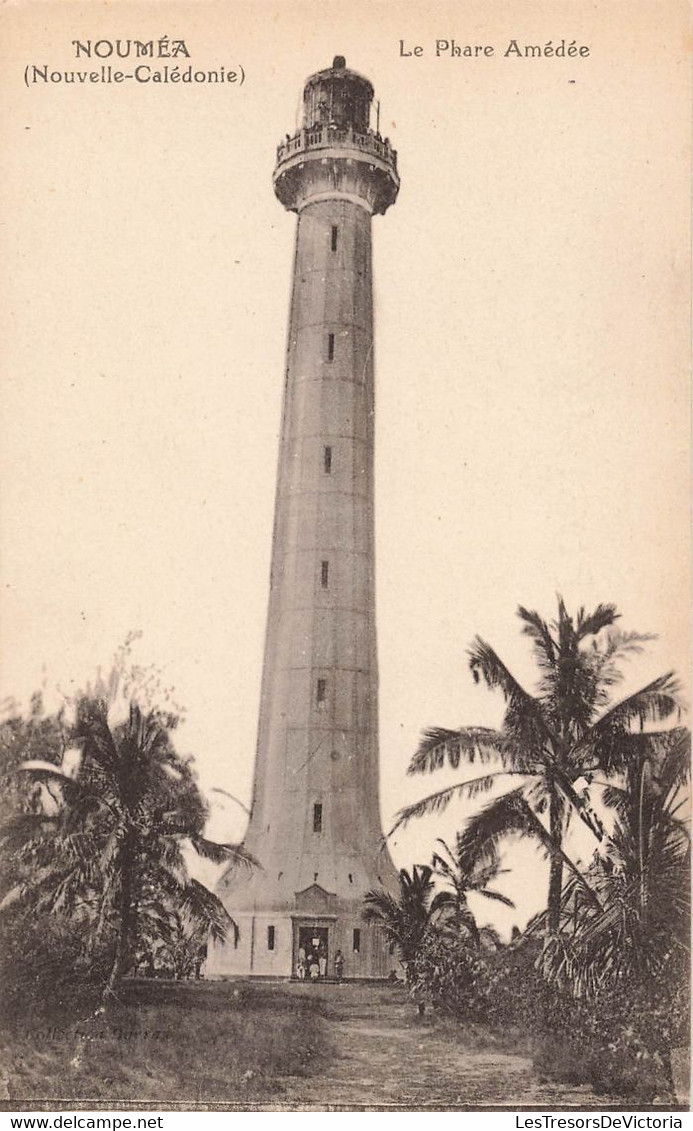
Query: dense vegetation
(99, 812)
(601, 978)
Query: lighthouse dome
(337, 97)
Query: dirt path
(385, 1058)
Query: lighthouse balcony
(326, 161)
(335, 137)
(325, 136)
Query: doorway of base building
(313, 943)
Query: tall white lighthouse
(315, 819)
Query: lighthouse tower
(315, 818)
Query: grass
(179, 1044)
(273, 1045)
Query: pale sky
(531, 294)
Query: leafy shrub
(45, 971)
(518, 997)
(619, 1042)
(452, 975)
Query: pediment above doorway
(314, 899)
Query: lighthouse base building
(315, 819)
(273, 941)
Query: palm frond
(589, 624)
(437, 802)
(93, 729)
(225, 793)
(379, 905)
(527, 727)
(221, 853)
(205, 908)
(652, 703)
(453, 915)
(436, 745)
(509, 815)
(538, 630)
(439, 744)
(672, 759)
(479, 842)
(617, 645)
(488, 893)
(404, 919)
(484, 662)
(443, 901)
(193, 900)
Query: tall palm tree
(451, 903)
(111, 851)
(407, 918)
(549, 740)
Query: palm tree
(111, 852)
(639, 925)
(452, 904)
(406, 919)
(549, 740)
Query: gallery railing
(326, 137)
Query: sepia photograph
(345, 556)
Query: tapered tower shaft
(315, 819)
(317, 741)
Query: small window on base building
(357, 940)
(317, 818)
(270, 938)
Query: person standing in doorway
(301, 963)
